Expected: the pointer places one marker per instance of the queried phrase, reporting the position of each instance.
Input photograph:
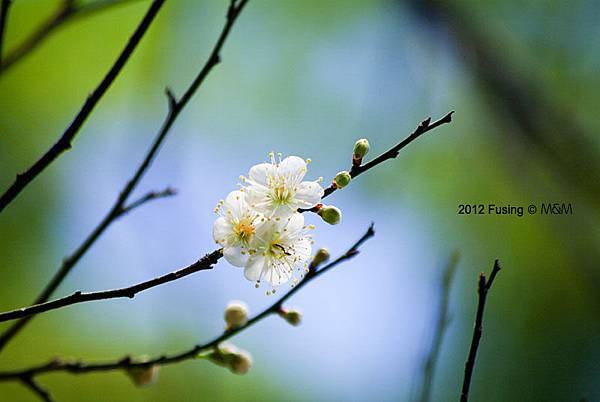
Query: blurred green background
(309, 78)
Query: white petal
(235, 256)
(254, 267)
(282, 211)
(221, 230)
(235, 202)
(261, 172)
(309, 194)
(278, 273)
(264, 234)
(295, 223)
(302, 250)
(292, 166)
(256, 197)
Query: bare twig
(37, 389)
(152, 195)
(68, 11)
(482, 291)
(425, 126)
(4, 7)
(443, 319)
(69, 262)
(117, 210)
(80, 367)
(204, 263)
(64, 142)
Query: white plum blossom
(259, 226)
(282, 246)
(276, 189)
(235, 228)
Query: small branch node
(425, 123)
(171, 97)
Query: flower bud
(240, 362)
(293, 317)
(227, 355)
(220, 355)
(143, 375)
(320, 257)
(342, 179)
(361, 148)
(236, 314)
(330, 214)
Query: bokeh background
(309, 78)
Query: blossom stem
(81, 367)
(204, 263)
(425, 126)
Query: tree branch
(204, 263)
(443, 319)
(68, 11)
(393, 152)
(34, 387)
(4, 7)
(117, 210)
(80, 367)
(64, 142)
(482, 290)
(152, 195)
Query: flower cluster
(259, 226)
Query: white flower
(276, 189)
(281, 246)
(235, 228)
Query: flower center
(244, 229)
(280, 193)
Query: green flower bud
(320, 257)
(143, 375)
(361, 148)
(293, 317)
(342, 179)
(236, 314)
(330, 214)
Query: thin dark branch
(204, 263)
(482, 291)
(425, 126)
(67, 12)
(34, 387)
(152, 195)
(64, 142)
(4, 7)
(443, 319)
(117, 209)
(44, 305)
(79, 367)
